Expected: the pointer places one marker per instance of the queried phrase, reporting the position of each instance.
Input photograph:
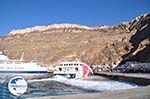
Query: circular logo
(17, 85)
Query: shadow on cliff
(142, 33)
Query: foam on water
(55, 78)
(61, 86)
(40, 80)
(107, 85)
(104, 85)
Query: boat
(72, 69)
(27, 69)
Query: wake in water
(60, 86)
(91, 85)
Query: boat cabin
(73, 69)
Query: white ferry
(72, 69)
(27, 69)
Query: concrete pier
(137, 78)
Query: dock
(137, 78)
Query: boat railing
(19, 61)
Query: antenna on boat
(21, 58)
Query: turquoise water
(4, 92)
(39, 89)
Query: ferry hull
(69, 76)
(73, 69)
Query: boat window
(38, 63)
(70, 64)
(81, 64)
(75, 64)
(76, 69)
(61, 64)
(2, 62)
(2, 53)
(42, 65)
(60, 69)
(17, 62)
(9, 62)
(65, 64)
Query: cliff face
(140, 39)
(1, 43)
(93, 45)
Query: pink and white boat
(73, 69)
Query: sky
(19, 14)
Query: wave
(104, 85)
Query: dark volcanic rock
(140, 40)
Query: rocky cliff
(140, 39)
(93, 45)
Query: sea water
(60, 86)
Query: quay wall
(137, 78)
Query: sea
(60, 86)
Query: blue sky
(16, 14)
